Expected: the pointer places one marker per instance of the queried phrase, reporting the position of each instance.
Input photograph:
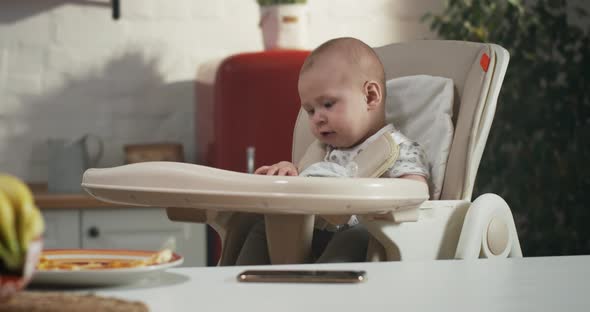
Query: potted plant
(537, 152)
(283, 23)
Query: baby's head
(342, 88)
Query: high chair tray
(174, 184)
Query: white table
(528, 284)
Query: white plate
(96, 277)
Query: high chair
(405, 220)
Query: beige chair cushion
(421, 106)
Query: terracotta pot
(284, 26)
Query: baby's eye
(328, 104)
(310, 111)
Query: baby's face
(334, 100)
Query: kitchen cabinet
(123, 228)
(62, 229)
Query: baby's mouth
(326, 133)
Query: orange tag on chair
(484, 62)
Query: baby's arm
(411, 164)
(414, 177)
(283, 168)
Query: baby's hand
(283, 168)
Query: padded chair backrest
(421, 106)
(477, 71)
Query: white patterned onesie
(411, 159)
(348, 242)
(337, 162)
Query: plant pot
(284, 26)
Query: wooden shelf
(46, 200)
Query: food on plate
(78, 263)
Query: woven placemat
(33, 301)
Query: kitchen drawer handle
(93, 232)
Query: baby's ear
(373, 94)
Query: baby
(342, 89)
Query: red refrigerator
(254, 105)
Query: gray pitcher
(67, 161)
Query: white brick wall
(66, 68)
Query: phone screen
(302, 276)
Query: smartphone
(302, 276)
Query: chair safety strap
(372, 162)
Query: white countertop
(529, 284)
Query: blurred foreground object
(21, 227)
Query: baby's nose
(318, 118)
